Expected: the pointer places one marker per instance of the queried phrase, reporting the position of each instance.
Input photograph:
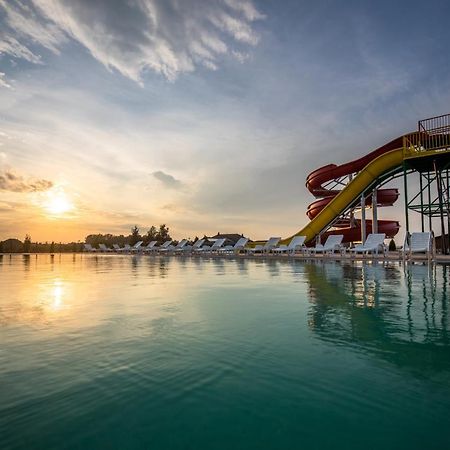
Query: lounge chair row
(374, 244)
(415, 243)
(167, 247)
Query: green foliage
(163, 234)
(134, 236)
(160, 234)
(151, 235)
(107, 239)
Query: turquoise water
(141, 352)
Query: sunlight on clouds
(56, 203)
(205, 32)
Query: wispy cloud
(165, 36)
(167, 180)
(11, 46)
(3, 82)
(10, 181)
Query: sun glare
(57, 203)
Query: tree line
(27, 246)
(160, 234)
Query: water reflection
(40, 304)
(362, 305)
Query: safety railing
(433, 135)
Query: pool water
(138, 352)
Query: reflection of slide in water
(368, 307)
(370, 171)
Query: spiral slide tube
(333, 203)
(385, 197)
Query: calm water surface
(141, 352)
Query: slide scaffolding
(431, 196)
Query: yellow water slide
(363, 180)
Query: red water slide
(351, 229)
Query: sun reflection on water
(57, 293)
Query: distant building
(231, 238)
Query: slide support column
(374, 212)
(405, 183)
(363, 218)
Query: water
(140, 352)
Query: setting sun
(57, 203)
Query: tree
(52, 247)
(135, 236)
(163, 234)
(27, 244)
(151, 235)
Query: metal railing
(433, 134)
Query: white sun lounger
(116, 248)
(218, 243)
(136, 247)
(89, 248)
(150, 247)
(332, 244)
(125, 248)
(164, 247)
(297, 243)
(104, 248)
(192, 248)
(374, 243)
(236, 248)
(419, 242)
(267, 247)
(180, 246)
(196, 245)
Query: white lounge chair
(180, 246)
(267, 247)
(104, 248)
(297, 243)
(218, 243)
(116, 248)
(332, 244)
(419, 242)
(236, 248)
(125, 248)
(374, 243)
(192, 248)
(150, 247)
(89, 248)
(164, 247)
(136, 247)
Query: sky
(206, 115)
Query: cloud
(165, 36)
(9, 181)
(3, 82)
(167, 180)
(11, 46)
